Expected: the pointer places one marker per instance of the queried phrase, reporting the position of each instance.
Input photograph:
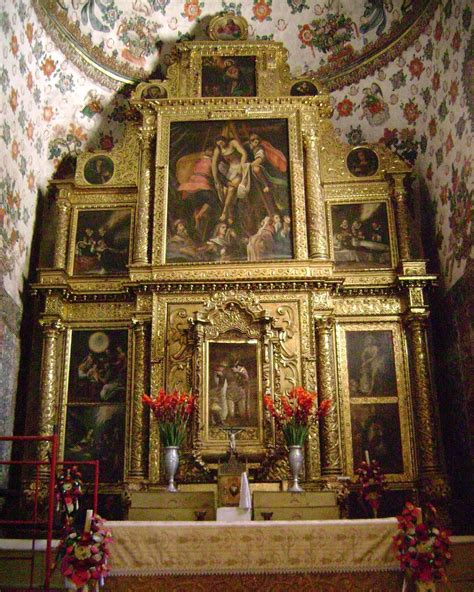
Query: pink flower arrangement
(422, 547)
(371, 478)
(85, 557)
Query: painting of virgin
(228, 191)
(371, 364)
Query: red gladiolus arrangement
(295, 412)
(422, 547)
(85, 557)
(172, 411)
(372, 481)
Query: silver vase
(171, 466)
(295, 458)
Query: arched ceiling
(340, 41)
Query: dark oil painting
(362, 162)
(99, 170)
(97, 432)
(229, 191)
(233, 384)
(303, 88)
(102, 242)
(228, 76)
(98, 366)
(361, 237)
(376, 428)
(371, 364)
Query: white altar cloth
(203, 548)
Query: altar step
(201, 505)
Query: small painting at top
(99, 170)
(303, 88)
(228, 76)
(228, 27)
(362, 162)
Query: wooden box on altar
(161, 505)
(321, 505)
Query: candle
(367, 457)
(419, 515)
(87, 525)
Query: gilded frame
(401, 397)
(225, 110)
(369, 204)
(99, 326)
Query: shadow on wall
(452, 339)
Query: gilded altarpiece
(231, 236)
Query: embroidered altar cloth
(188, 548)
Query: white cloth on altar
(226, 514)
(245, 502)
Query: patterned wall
(420, 103)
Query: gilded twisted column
(428, 452)
(137, 467)
(142, 220)
(317, 235)
(49, 384)
(329, 428)
(399, 197)
(433, 484)
(60, 249)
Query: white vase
(171, 466)
(295, 459)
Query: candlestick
(367, 457)
(87, 525)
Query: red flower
(345, 107)
(416, 68)
(453, 91)
(436, 81)
(29, 32)
(306, 35)
(107, 142)
(48, 67)
(192, 10)
(14, 45)
(456, 41)
(432, 127)
(261, 10)
(13, 99)
(438, 31)
(449, 143)
(411, 111)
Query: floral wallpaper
(420, 104)
(133, 38)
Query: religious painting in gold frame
(95, 400)
(373, 382)
(203, 209)
(361, 234)
(100, 241)
(228, 191)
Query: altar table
(252, 548)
